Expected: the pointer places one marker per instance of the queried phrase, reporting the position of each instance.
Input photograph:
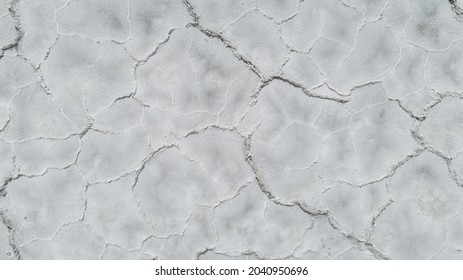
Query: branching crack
(310, 211)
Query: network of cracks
(251, 129)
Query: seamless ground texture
(248, 129)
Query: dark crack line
(307, 91)
(11, 234)
(191, 11)
(213, 34)
(457, 10)
(155, 51)
(17, 26)
(203, 252)
(376, 217)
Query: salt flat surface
(250, 129)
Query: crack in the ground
(11, 234)
(13, 10)
(264, 81)
(310, 211)
(457, 10)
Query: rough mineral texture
(231, 129)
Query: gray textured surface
(231, 129)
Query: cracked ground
(250, 129)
